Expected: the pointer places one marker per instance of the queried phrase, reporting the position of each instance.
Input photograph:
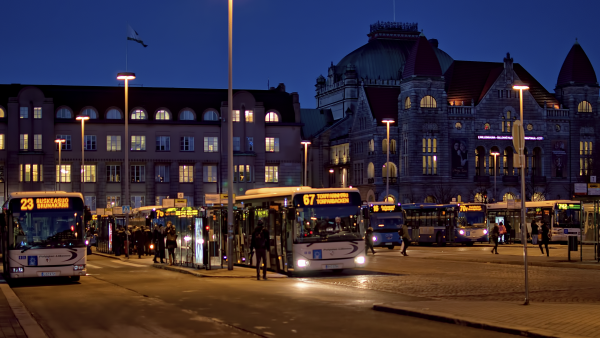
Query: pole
(125, 171)
(495, 175)
(387, 164)
(523, 225)
(230, 148)
(82, 161)
(305, 164)
(59, 168)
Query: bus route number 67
(27, 204)
(309, 199)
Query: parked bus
(386, 219)
(310, 229)
(562, 216)
(446, 223)
(44, 235)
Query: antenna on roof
(394, 10)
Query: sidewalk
(15, 319)
(534, 320)
(237, 272)
(9, 324)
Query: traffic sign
(180, 195)
(518, 134)
(125, 209)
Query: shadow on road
(35, 282)
(350, 273)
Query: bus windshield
(327, 224)
(43, 229)
(568, 218)
(387, 221)
(471, 219)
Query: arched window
(479, 161)
(407, 103)
(393, 170)
(371, 170)
(139, 114)
(64, 113)
(2, 114)
(187, 115)
(494, 161)
(211, 115)
(428, 102)
(372, 145)
(162, 115)
(584, 107)
(384, 145)
(272, 117)
(536, 163)
(90, 112)
(507, 160)
(390, 199)
(393, 146)
(113, 114)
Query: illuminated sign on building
(508, 137)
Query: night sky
(84, 42)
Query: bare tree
(443, 193)
(481, 189)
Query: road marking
(129, 264)
(93, 266)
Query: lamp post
(520, 87)
(306, 143)
(59, 141)
(230, 146)
(387, 163)
(495, 154)
(125, 172)
(82, 118)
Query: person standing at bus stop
(495, 233)
(159, 242)
(260, 244)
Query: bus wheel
(391, 247)
(75, 278)
(440, 239)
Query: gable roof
(314, 120)
(577, 68)
(422, 60)
(383, 102)
(539, 93)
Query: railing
(461, 110)
(557, 112)
(338, 161)
(393, 180)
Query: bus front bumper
(48, 271)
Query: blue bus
(464, 223)
(386, 219)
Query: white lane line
(93, 266)
(129, 264)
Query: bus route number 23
(27, 204)
(309, 199)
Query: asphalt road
(123, 299)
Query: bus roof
(287, 191)
(536, 204)
(146, 208)
(427, 206)
(34, 194)
(383, 203)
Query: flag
(134, 36)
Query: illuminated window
(63, 173)
(585, 158)
(584, 107)
(139, 114)
(271, 174)
(89, 173)
(371, 170)
(37, 142)
(392, 168)
(113, 114)
(162, 173)
(138, 173)
(211, 144)
(27, 172)
(187, 115)
(24, 141)
(186, 173)
(212, 115)
(113, 173)
(24, 112)
(137, 201)
(429, 156)
(272, 117)
(506, 121)
(557, 127)
(407, 103)
(249, 116)
(67, 144)
(90, 112)
(236, 116)
(37, 112)
(272, 144)
(138, 142)
(428, 101)
(90, 142)
(2, 142)
(241, 173)
(2, 113)
(458, 126)
(210, 173)
(113, 201)
(63, 113)
(372, 145)
(187, 143)
(163, 115)
(113, 143)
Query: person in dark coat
(117, 243)
(139, 238)
(534, 233)
(159, 243)
(545, 238)
(261, 244)
(148, 240)
(495, 233)
(369, 241)
(171, 242)
(508, 235)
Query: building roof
(422, 60)
(383, 102)
(471, 80)
(577, 68)
(151, 98)
(314, 120)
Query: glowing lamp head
(495, 153)
(126, 76)
(518, 85)
(305, 142)
(388, 121)
(59, 141)
(82, 118)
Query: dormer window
(584, 107)
(407, 103)
(428, 101)
(272, 117)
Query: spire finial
(576, 42)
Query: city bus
(310, 229)
(43, 235)
(386, 219)
(446, 223)
(562, 216)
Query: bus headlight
(374, 239)
(17, 270)
(359, 260)
(151, 246)
(485, 231)
(302, 263)
(87, 242)
(79, 267)
(462, 232)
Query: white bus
(303, 229)
(44, 235)
(562, 216)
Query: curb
(469, 322)
(108, 256)
(31, 327)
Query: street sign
(180, 203)
(179, 195)
(125, 209)
(518, 134)
(580, 189)
(593, 189)
(168, 203)
(592, 179)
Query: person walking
(534, 233)
(495, 233)
(260, 243)
(159, 242)
(405, 238)
(502, 232)
(369, 241)
(171, 242)
(545, 239)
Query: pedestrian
(369, 241)
(495, 233)
(171, 242)
(261, 244)
(159, 242)
(501, 232)
(139, 238)
(147, 240)
(534, 232)
(405, 238)
(545, 239)
(508, 235)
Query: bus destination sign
(565, 206)
(44, 203)
(383, 208)
(326, 198)
(468, 208)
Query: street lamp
(230, 145)
(495, 154)
(387, 163)
(520, 87)
(125, 173)
(59, 141)
(306, 143)
(82, 118)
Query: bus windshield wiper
(25, 248)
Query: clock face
(458, 125)
(530, 127)
(557, 127)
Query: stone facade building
(451, 117)
(177, 141)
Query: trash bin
(572, 243)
